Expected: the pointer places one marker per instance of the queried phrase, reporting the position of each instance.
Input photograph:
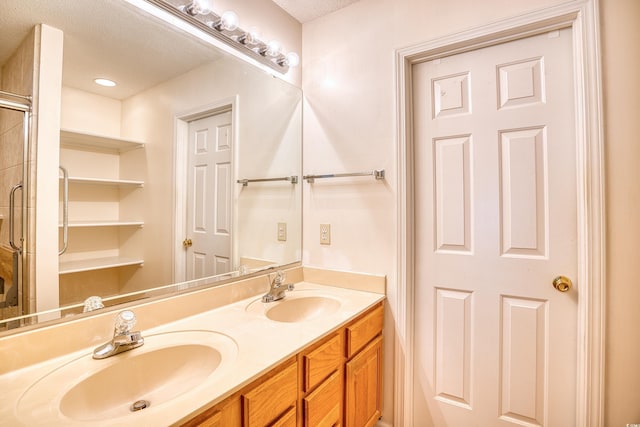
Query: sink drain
(139, 405)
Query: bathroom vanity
(310, 388)
(213, 357)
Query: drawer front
(321, 362)
(323, 407)
(214, 420)
(364, 330)
(267, 401)
(287, 420)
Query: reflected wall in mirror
(151, 164)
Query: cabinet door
(323, 407)
(363, 402)
(266, 402)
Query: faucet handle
(125, 321)
(279, 277)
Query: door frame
(582, 18)
(180, 147)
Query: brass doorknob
(562, 283)
(187, 243)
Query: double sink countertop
(220, 351)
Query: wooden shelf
(79, 224)
(68, 267)
(88, 141)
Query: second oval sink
(167, 366)
(295, 308)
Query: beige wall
(350, 125)
(620, 30)
(150, 116)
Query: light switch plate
(282, 231)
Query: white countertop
(261, 345)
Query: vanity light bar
(224, 28)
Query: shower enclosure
(15, 111)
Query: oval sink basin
(167, 366)
(297, 308)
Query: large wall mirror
(152, 187)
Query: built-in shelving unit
(81, 151)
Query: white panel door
(209, 196)
(495, 183)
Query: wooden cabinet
(332, 383)
(363, 394)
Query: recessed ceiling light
(105, 82)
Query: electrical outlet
(282, 231)
(325, 234)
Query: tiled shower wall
(16, 77)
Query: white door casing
(495, 222)
(581, 17)
(209, 196)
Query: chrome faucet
(123, 338)
(277, 288)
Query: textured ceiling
(105, 38)
(308, 10)
(109, 38)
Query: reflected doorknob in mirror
(562, 283)
(187, 243)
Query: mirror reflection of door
(207, 241)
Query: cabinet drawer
(323, 407)
(224, 414)
(214, 420)
(287, 420)
(364, 330)
(267, 401)
(321, 362)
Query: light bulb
(293, 60)
(198, 7)
(273, 48)
(229, 20)
(251, 37)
